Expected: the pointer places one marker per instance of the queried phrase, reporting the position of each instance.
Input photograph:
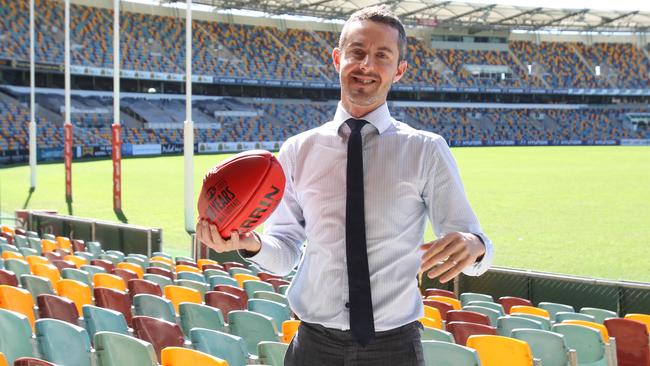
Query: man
(359, 190)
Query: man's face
(368, 64)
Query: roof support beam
(432, 6)
(556, 20)
(610, 20)
(477, 10)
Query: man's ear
(401, 69)
(336, 58)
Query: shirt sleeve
(284, 230)
(447, 204)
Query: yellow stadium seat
(501, 351)
(76, 291)
(3, 359)
(178, 294)
(431, 322)
(78, 261)
(179, 356)
(447, 300)
(599, 327)
(63, 243)
(47, 245)
(289, 329)
(643, 318)
(203, 261)
(46, 270)
(7, 229)
(11, 255)
(18, 300)
(133, 267)
(162, 259)
(523, 309)
(109, 280)
(241, 277)
(36, 259)
(186, 268)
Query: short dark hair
(380, 14)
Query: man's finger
(455, 270)
(429, 261)
(438, 245)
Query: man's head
(369, 58)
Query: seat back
(631, 341)
(179, 356)
(31, 361)
(587, 342)
(449, 354)
(433, 334)
(439, 292)
(232, 290)
(215, 280)
(549, 347)
(494, 350)
(553, 308)
(115, 300)
(530, 310)
(18, 300)
(76, 291)
(18, 266)
(63, 343)
(57, 307)
(178, 294)
(225, 302)
(599, 314)
(161, 281)
(442, 307)
(492, 314)
(455, 304)
(272, 353)
(98, 319)
(36, 285)
(225, 346)
(509, 301)
(467, 297)
(199, 286)
(253, 328)
(192, 276)
(114, 349)
(597, 326)
(545, 322)
(563, 316)
(505, 324)
(160, 333)
(468, 316)
(200, 316)
(77, 275)
(462, 331)
(16, 335)
(252, 286)
(271, 296)
(48, 271)
(289, 329)
(643, 318)
(142, 286)
(109, 281)
(124, 274)
(135, 268)
(278, 312)
(154, 306)
(8, 278)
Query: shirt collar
(380, 117)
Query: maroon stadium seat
(158, 332)
(31, 361)
(61, 264)
(463, 330)
(126, 274)
(467, 316)
(277, 283)
(57, 307)
(161, 271)
(443, 307)
(509, 301)
(8, 278)
(115, 300)
(213, 266)
(53, 256)
(439, 292)
(8, 236)
(632, 347)
(106, 264)
(78, 245)
(264, 276)
(229, 265)
(186, 263)
(139, 286)
(225, 302)
(239, 292)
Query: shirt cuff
(482, 265)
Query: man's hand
(451, 253)
(208, 234)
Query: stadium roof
(476, 17)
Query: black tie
(362, 324)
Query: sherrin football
(241, 192)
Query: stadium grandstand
(82, 291)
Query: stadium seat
(48, 271)
(276, 283)
(179, 356)
(505, 324)
(463, 330)
(545, 322)
(225, 346)
(554, 308)
(63, 343)
(18, 266)
(18, 300)
(201, 287)
(154, 306)
(8, 278)
(108, 280)
(77, 275)
(200, 316)
(193, 276)
(519, 309)
(272, 353)
(548, 347)
(203, 261)
(271, 296)
(78, 261)
(494, 350)
(599, 314)
(217, 280)
(31, 361)
(213, 266)
(138, 286)
(229, 265)
(241, 277)
(237, 291)
(468, 316)
(487, 304)
(442, 307)
(438, 292)
(562, 316)
(434, 334)
(632, 347)
(289, 329)
(453, 302)
(98, 319)
(492, 314)
(186, 268)
(643, 318)
(160, 333)
(160, 270)
(509, 301)
(57, 307)
(252, 286)
(76, 291)
(225, 302)
(587, 342)
(15, 339)
(124, 274)
(466, 297)
(135, 268)
(108, 266)
(161, 281)
(92, 270)
(445, 353)
(114, 349)
(119, 301)
(278, 312)
(599, 327)
(177, 294)
(253, 328)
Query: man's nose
(367, 62)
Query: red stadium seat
(632, 348)
(225, 302)
(158, 332)
(463, 330)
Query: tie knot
(356, 124)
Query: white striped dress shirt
(409, 175)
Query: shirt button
(347, 305)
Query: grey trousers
(315, 345)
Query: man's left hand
(450, 255)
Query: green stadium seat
(467, 297)
(252, 286)
(272, 296)
(549, 347)
(505, 324)
(587, 342)
(599, 314)
(200, 316)
(77, 275)
(278, 312)
(16, 335)
(63, 343)
(192, 276)
(18, 266)
(562, 316)
(36, 285)
(554, 308)
(546, 324)
(437, 353)
(114, 349)
(161, 281)
(201, 287)
(154, 306)
(222, 280)
(253, 328)
(434, 334)
(220, 344)
(272, 353)
(92, 270)
(98, 319)
(487, 304)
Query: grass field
(573, 210)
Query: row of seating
(154, 43)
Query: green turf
(573, 210)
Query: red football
(241, 192)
